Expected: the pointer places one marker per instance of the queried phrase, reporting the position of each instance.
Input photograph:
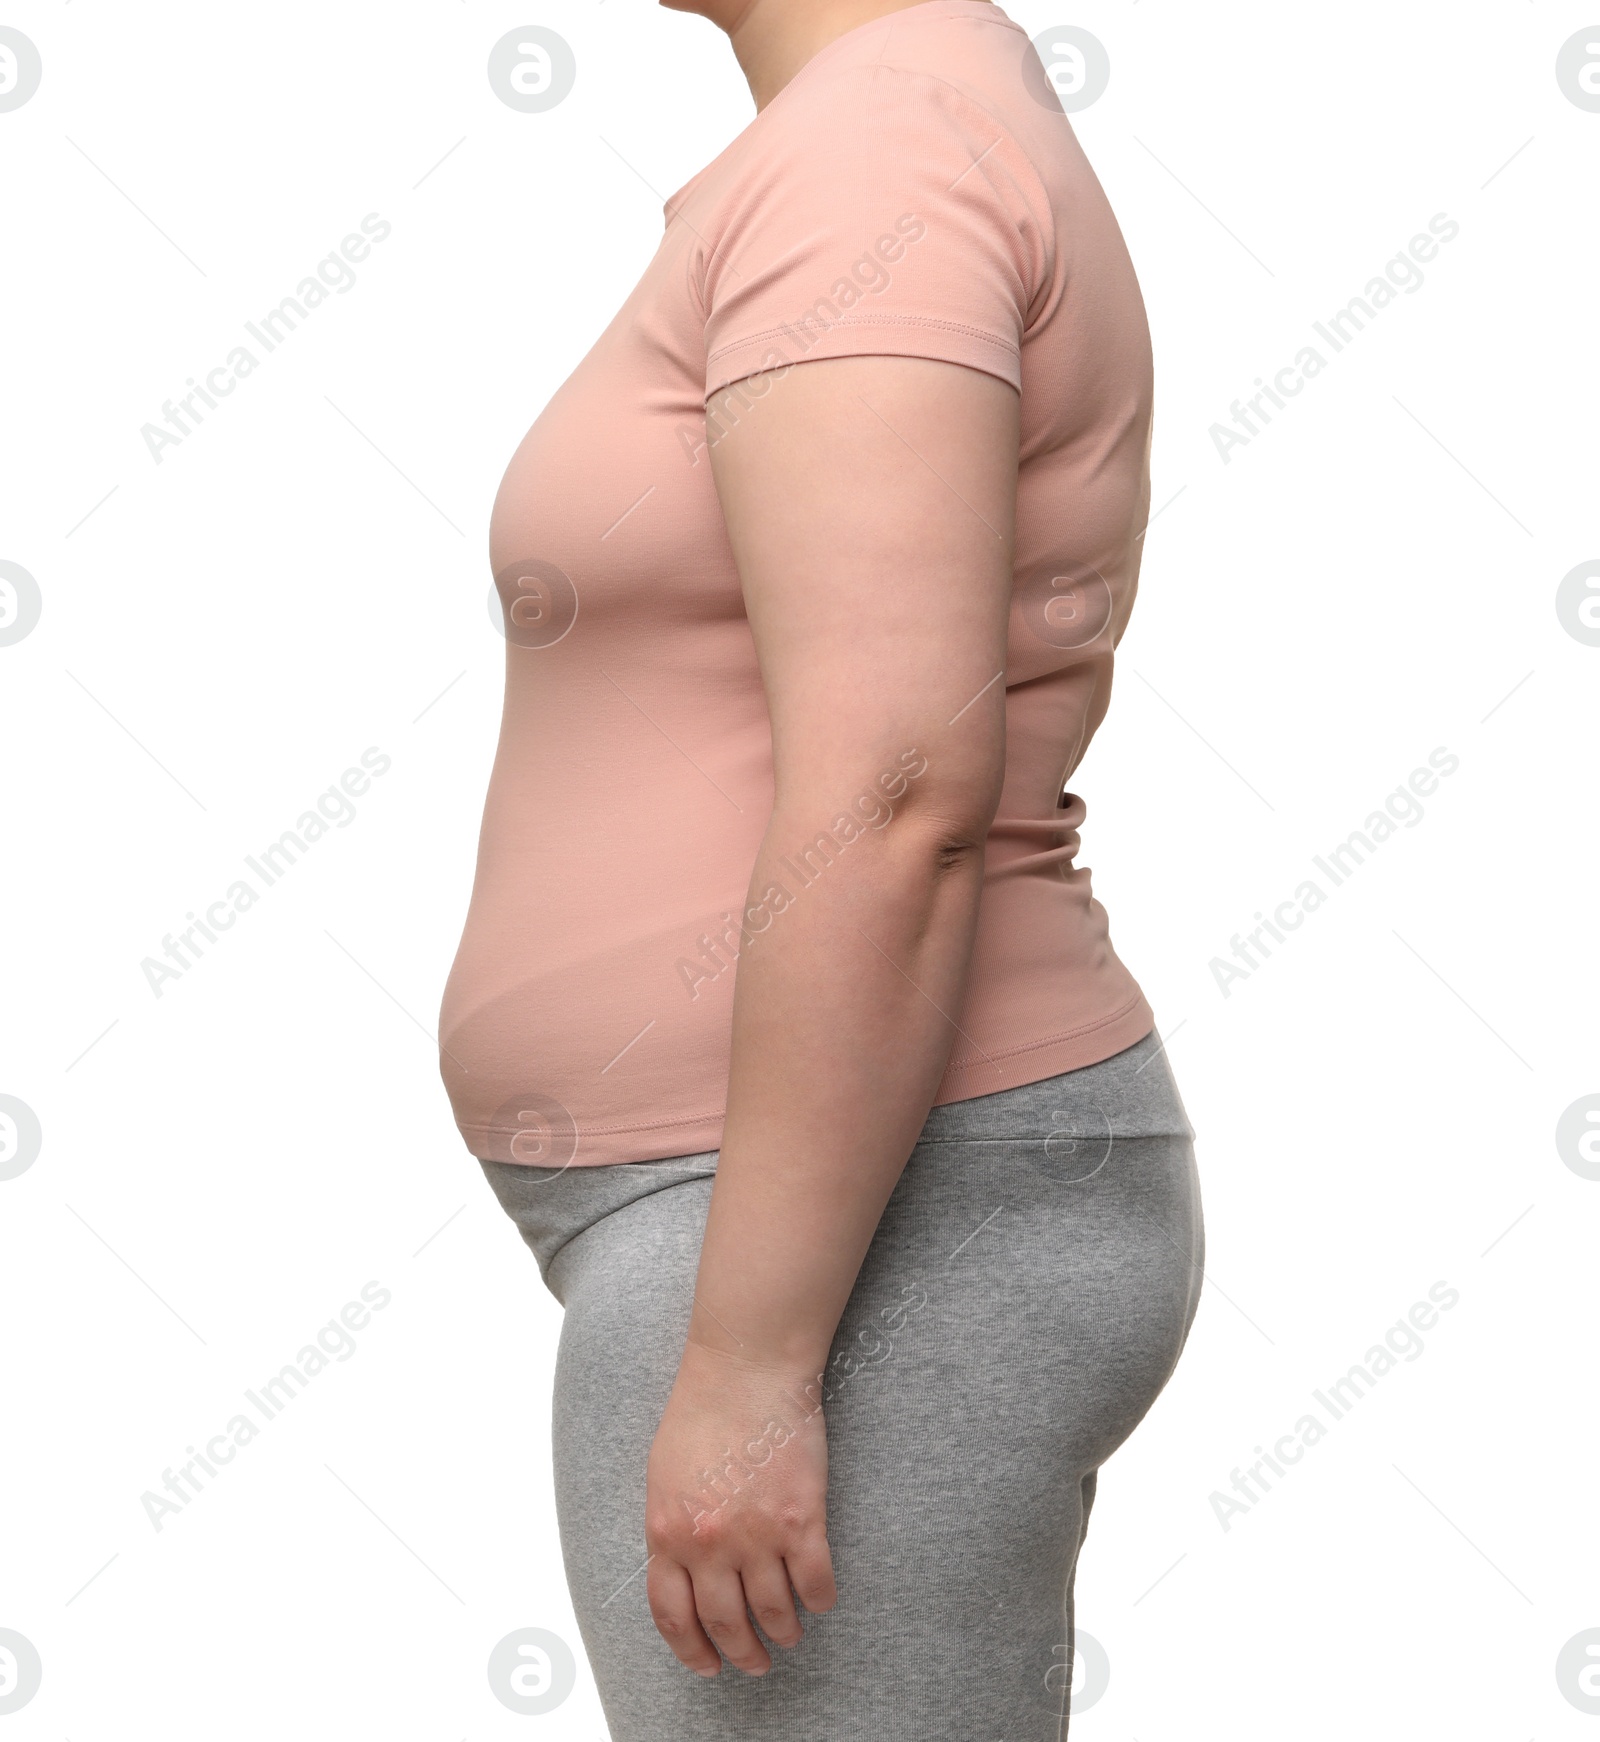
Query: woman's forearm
(844, 1017)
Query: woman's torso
(587, 1016)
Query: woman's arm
(870, 504)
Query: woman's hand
(736, 1510)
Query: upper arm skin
(870, 503)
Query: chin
(722, 13)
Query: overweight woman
(784, 1024)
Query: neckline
(987, 9)
(924, 8)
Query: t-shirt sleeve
(883, 214)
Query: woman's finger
(810, 1568)
(719, 1602)
(671, 1595)
(769, 1599)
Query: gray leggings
(1025, 1298)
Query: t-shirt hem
(867, 336)
(1032, 1061)
(701, 1133)
(607, 1145)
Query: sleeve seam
(1035, 192)
(1039, 195)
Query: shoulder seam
(1039, 192)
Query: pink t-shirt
(915, 190)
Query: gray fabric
(1025, 1299)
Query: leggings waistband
(1069, 1123)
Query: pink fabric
(914, 191)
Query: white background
(224, 633)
